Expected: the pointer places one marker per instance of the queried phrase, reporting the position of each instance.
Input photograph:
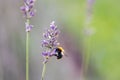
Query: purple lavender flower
(28, 12)
(50, 42)
(27, 8)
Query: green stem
(87, 56)
(84, 68)
(27, 54)
(43, 72)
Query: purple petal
(28, 27)
(52, 53)
(49, 33)
(31, 1)
(31, 6)
(57, 32)
(45, 53)
(53, 39)
(32, 13)
(45, 43)
(27, 8)
(56, 44)
(45, 35)
(22, 8)
(52, 25)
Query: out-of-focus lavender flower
(28, 12)
(50, 42)
(88, 30)
(27, 8)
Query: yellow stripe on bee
(61, 49)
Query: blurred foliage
(105, 43)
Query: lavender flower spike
(50, 42)
(27, 8)
(28, 12)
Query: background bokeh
(88, 27)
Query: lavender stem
(43, 71)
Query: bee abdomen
(59, 56)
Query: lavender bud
(45, 53)
(45, 43)
(52, 25)
(22, 8)
(32, 13)
(28, 27)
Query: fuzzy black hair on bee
(59, 52)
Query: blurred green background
(71, 16)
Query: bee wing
(63, 53)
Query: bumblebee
(59, 52)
